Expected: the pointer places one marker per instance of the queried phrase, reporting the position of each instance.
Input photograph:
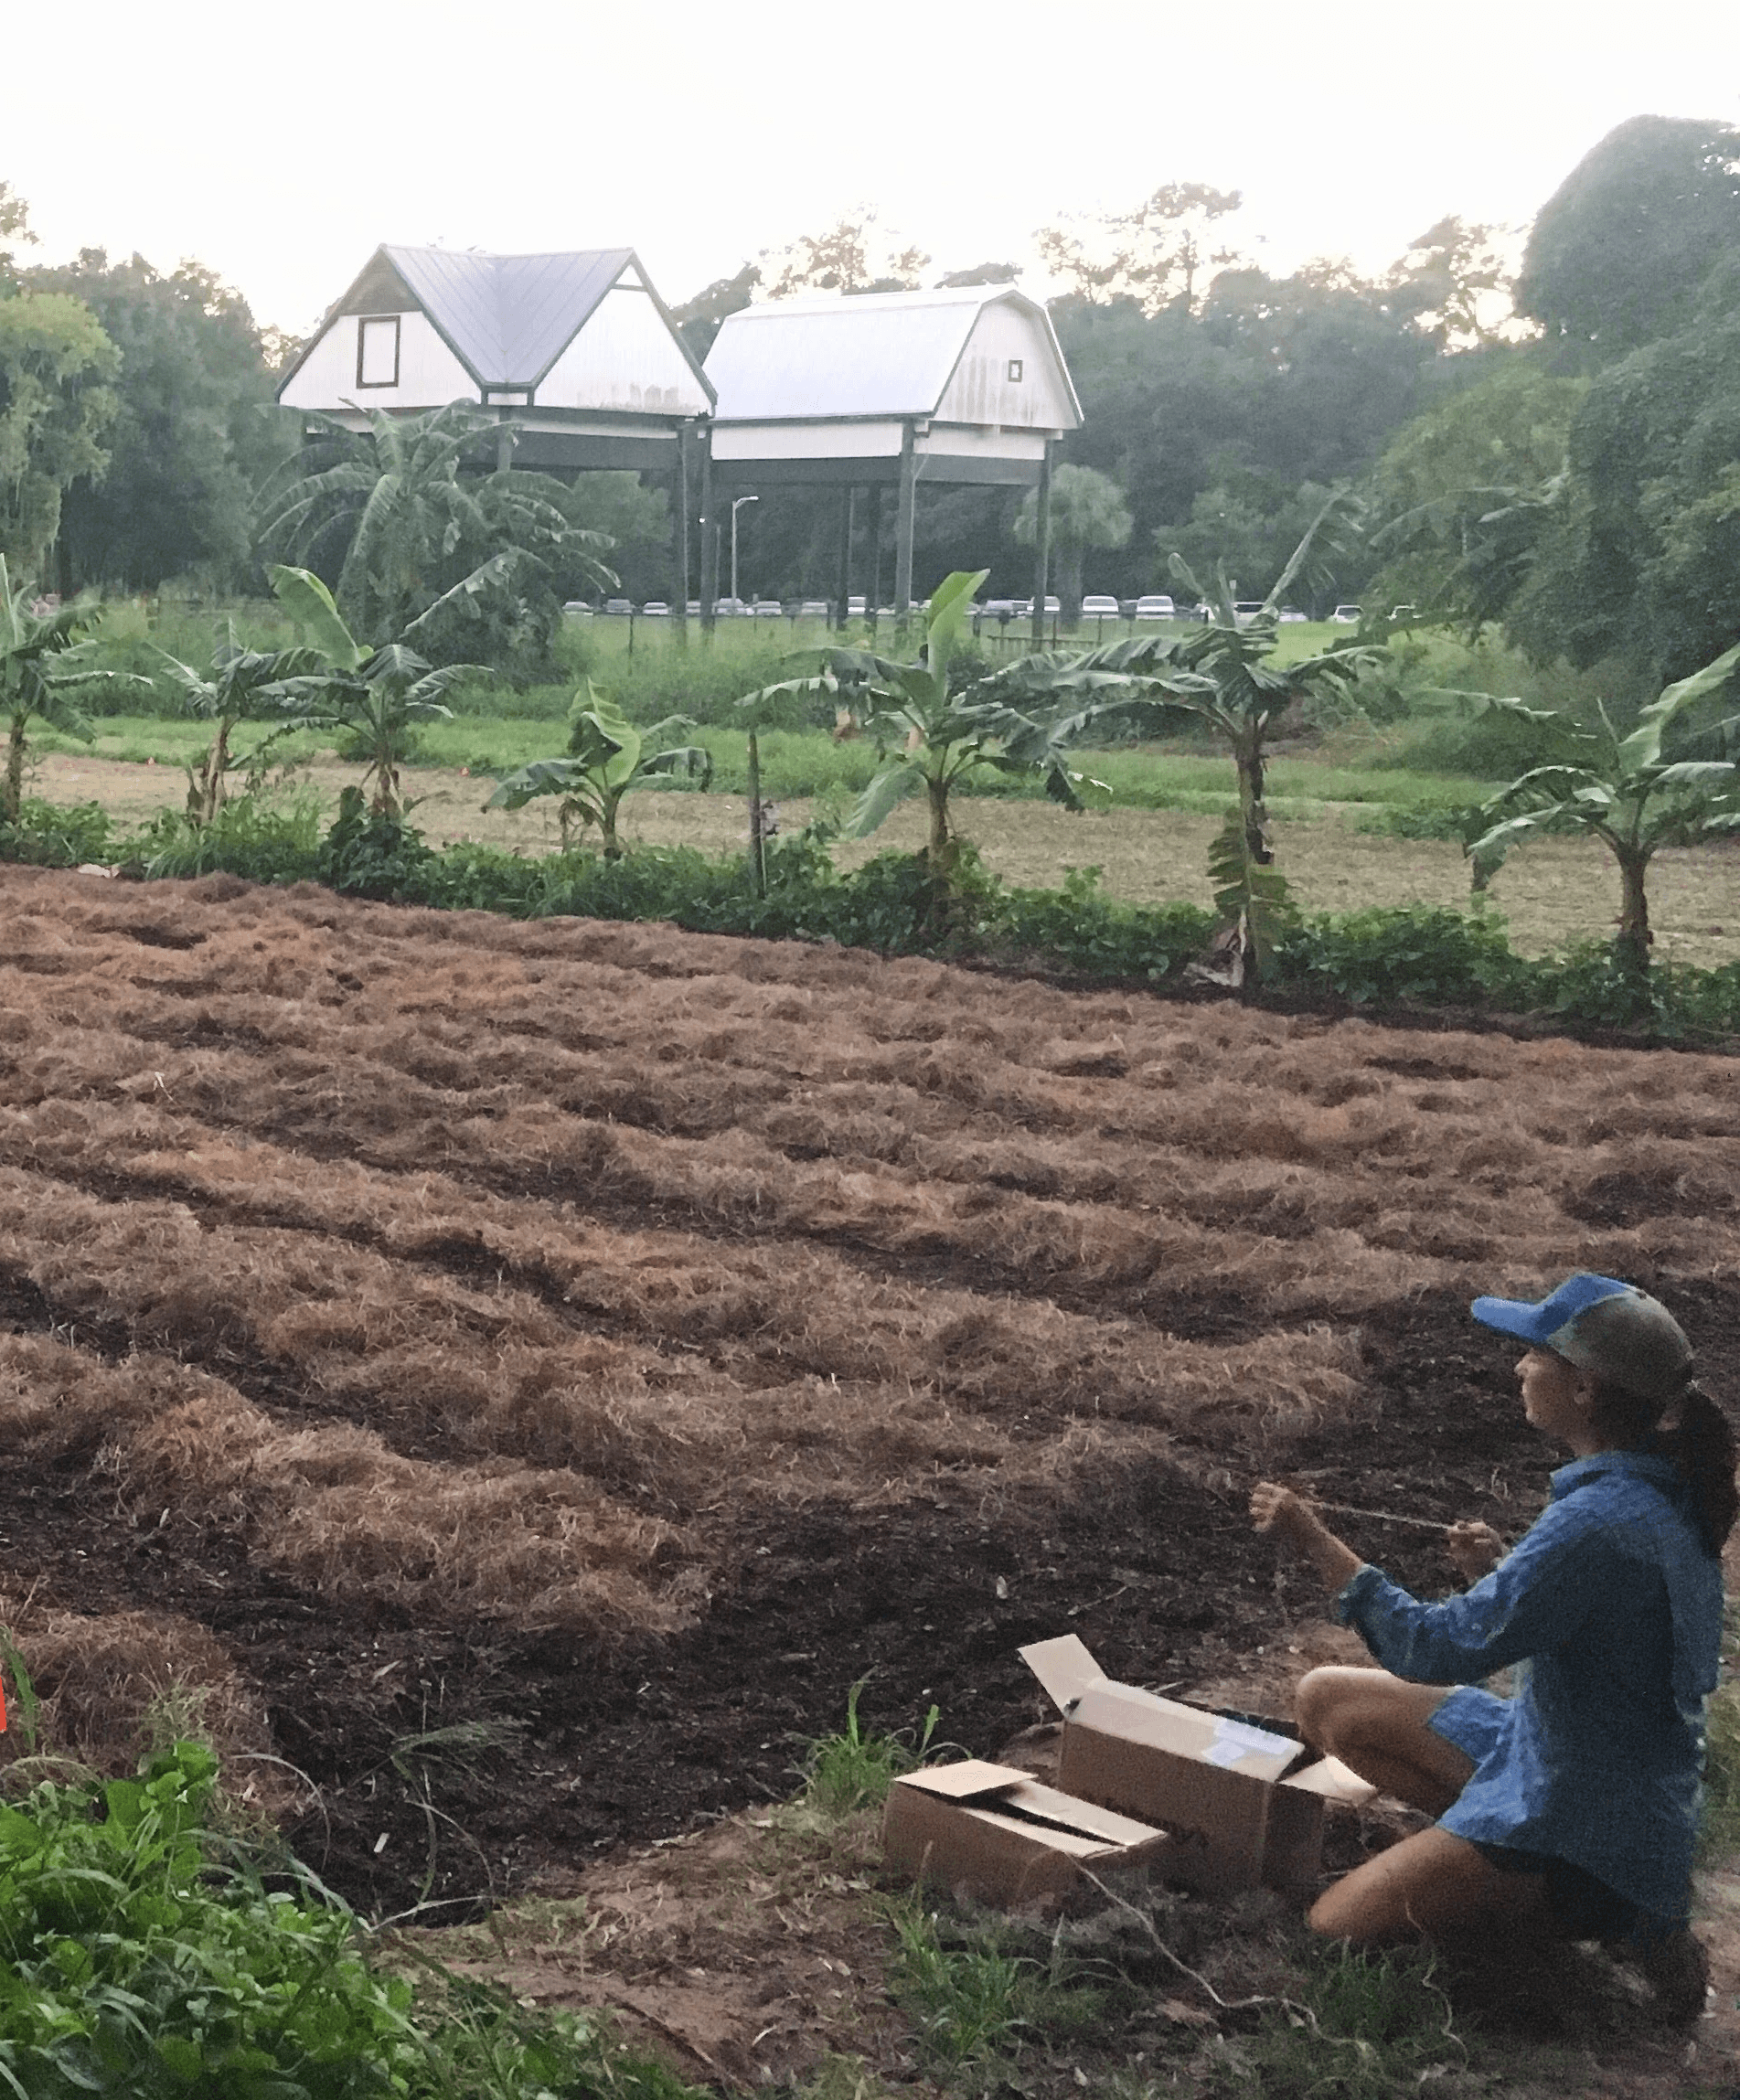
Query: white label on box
(1236, 1739)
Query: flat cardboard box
(1243, 1804)
(989, 1831)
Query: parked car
(1348, 615)
(654, 608)
(1097, 606)
(1002, 610)
(578, 609)
(1157, 605)
(1246, 610)
(856, 607)
(768, 609)
(730, 609)
(1404, 611)
(1291, 616)
(814, 609)
(617, 606)
(694, 608)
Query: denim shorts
(1579, 1906)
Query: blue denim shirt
(1612, 1601)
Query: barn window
(377, 352)
(1014, 368)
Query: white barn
(578, 349)
(886, 391)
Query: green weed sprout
(853, 1769)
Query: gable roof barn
(577, 345)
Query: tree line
(1560, 454)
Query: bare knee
(1322, 1699)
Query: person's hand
(1475, 1549)
(1288, 1515)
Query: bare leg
(1377, 1724)
(1431, 1886)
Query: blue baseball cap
(1613, 1330)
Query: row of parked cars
(1097, 606)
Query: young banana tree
(375, 697)
(240, 682)
(39, 670)
(1621, 790)
(935, 729)
(609, 758)
(1224, 673)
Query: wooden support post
(843, 598)
(679, 549)
(504, 448)
(1042, 546)
(904, 529)
(873, 554)
(709, 539)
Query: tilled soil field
(630, 1340)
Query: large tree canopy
(1619, 250)
(55, 406)
(194, 433)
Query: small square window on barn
(1014, 368)
(377, 352)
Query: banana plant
(1620, 790)
(935, 729)
(375, 697)
(609, 758)
(236, 686)
(38, 667)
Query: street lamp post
(737, 504)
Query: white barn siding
(625, 357)
(430, 376)
(980, 389)
(806, 441)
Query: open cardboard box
(989, 1831)
(1243, 1804)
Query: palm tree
(399, 514)
(1621, 790)
(38, 667)
(1088, 510)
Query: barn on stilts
(878, 393)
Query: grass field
(629, 1339)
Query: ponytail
(1700, 1443)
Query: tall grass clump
(854, 1768)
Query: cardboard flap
(1063, 1667)
(1333, 1781)
(1073, 1844)
(1064, 1812)
(961, 1782)
(1185, 1731)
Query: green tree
(1158, 255)
(1088, 510)
(1624, 792)
(1464, 493)
(194, 433)
(55, 405)
(374, 696)
(1230, 682)
(402, 516)
(39, 673)
(609, 758)
(239, 683)
(1617, 253)
(938, 722)
(853, 255)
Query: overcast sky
(280, 146)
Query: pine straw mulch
(630, 1338)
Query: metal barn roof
(508, 317)
(873, 354)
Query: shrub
(46, 835)
(1432, 955)
(262, 841)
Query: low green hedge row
(1420, 956)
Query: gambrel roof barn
(823, 389)
(578, 348)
